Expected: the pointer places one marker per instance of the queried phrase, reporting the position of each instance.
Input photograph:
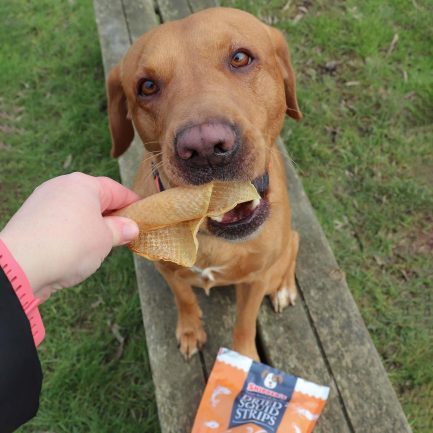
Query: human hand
(60, 235)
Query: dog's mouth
(243, 220)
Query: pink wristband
(23, 290)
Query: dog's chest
(208, 277)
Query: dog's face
(271, 380)
(209, 93)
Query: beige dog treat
(169, 221)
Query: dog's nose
(207, 144)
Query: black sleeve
(20, 369)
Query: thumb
(123, 229)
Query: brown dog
(207, 96)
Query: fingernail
(130, 231)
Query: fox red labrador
(207, 95)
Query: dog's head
(209, 93)
(271, 380)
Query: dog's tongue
(240, 212)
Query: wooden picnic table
(322, 339)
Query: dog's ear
(286, 69)
(122, 131)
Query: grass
(364, 151)
(53, 121)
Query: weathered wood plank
(178, 385)
(198, 5)
(355, 365)
(173, 9)
(289, 344)
(140, 17)
(112, 30)
(219, 314)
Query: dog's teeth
(255, 203)
(217, 218)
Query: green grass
(52, 110)
(364, 150)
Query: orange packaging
(245, 396)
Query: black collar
(157, 178)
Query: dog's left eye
(240, 59)
(147, 87)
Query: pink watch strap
(23, 290)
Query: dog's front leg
(248, 300)
(189, 331)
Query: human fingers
(113, 195)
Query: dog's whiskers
(272, 149)
(151, 155)
(157, 166)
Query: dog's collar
(157, 178)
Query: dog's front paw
(282, 298)
(190, 337)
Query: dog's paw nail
(282, 299)
(191, 341)
(192, 352)
(188, 353)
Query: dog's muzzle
(246, 218)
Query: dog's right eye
(147, 87)
(240, 59)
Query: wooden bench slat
(139, 14)
(178, 384)
(368, 396)
(219, 314)
(173, 9)
(112, 30)
(198, 5)
(290, 345)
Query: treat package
(169, 220)
(245, 396)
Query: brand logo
(260, 390)
(263, 398)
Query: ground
(364, 151)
